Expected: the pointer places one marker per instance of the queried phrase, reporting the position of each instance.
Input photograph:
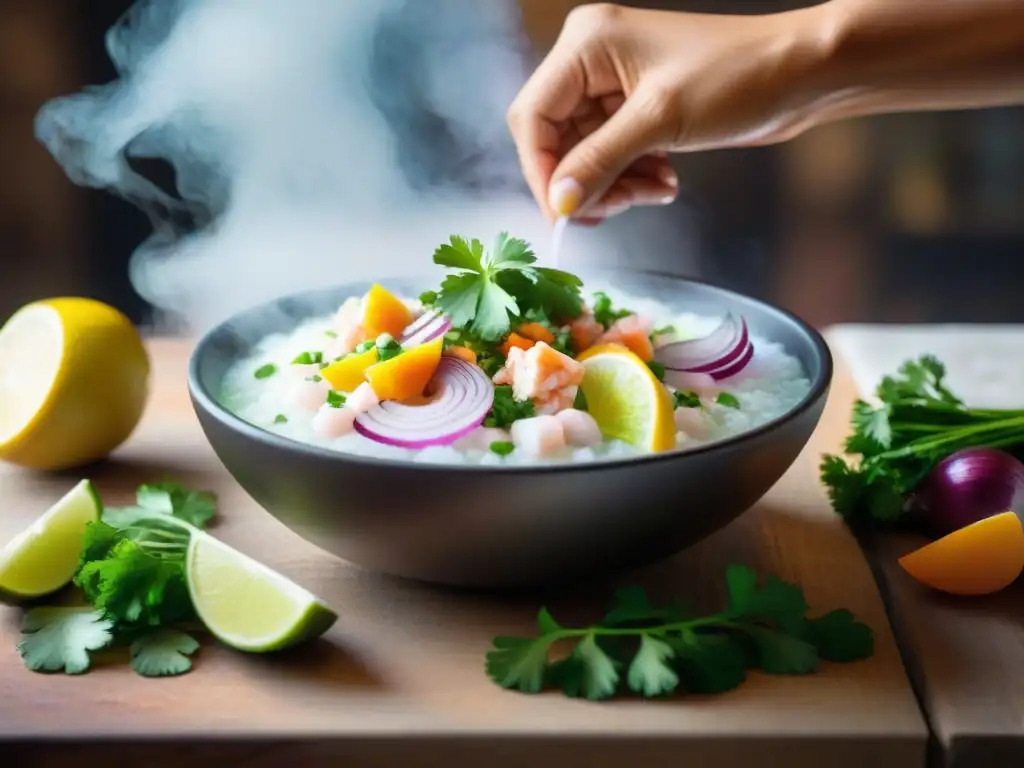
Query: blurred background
(916, 218)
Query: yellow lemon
(74, 377)
(626, 398)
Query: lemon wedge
(248, 606)
(44, 557)
(74, 378)
(626, 398)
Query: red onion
(461, 395)
(722, 353)
(426, 327)
(968, 486)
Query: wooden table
(399, 679)
(966, 656)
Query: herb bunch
(916, 423)
(657, 650)
(131, 574)
(488, 291)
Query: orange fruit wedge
(406, 376)
(383, 312)
(979, 559)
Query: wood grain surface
(965, 655)
(400, 677)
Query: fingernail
(565, 196)
(667, 200)
(668, 177)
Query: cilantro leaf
(782, 654)
(650, 672)
(838, 636)
(461, 254)
(489, 290)
(130, 585)
(57, 638)
(459, 297)
(519, 662)
(709, 663)
(664, 649)
(506, 410)
(195, 508)
(587, 672)
(604, 312)
(162, 653)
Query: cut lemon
(626, 398)
(43, 558)
(978, 559)
(74, 377)
(245, 604)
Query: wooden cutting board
(400, 677)
(966, 655)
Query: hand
(623, 87)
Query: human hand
(623, 87)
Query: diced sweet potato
(384, 312)
(348, 373)
(536, 332)
(406, 376)
(515, 341)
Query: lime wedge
(43, 558)
(247, 605)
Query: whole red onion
(970, 485)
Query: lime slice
(44, 557)
(626, 399)
(246, 604)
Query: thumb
(590, 168)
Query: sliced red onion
(426, 327)
(737, 365)
(461, 395)
(722, 346)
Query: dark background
(902, 218)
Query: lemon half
(74, 377)
(626, 399)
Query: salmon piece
(538, 436)
(634, 333)
(333, 422)
(585, 331)
(541, 374)
(579, 428)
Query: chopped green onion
(331, 334)
(314, 378)
(366, 346)
(729, 401)
(335, 399)
(657, 369)
(387, 347)
(664, 331)
(502, 448)
(687, 400)
(309, 358)
(280, 419)
(265, 371)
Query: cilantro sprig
(131, 574)
(657, 650)
(488, 291)
(506, 410)
(894, 444)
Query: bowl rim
(201, 398)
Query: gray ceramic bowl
(506, 526)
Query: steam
(312, 142)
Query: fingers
(539, 114)
(591, 167)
